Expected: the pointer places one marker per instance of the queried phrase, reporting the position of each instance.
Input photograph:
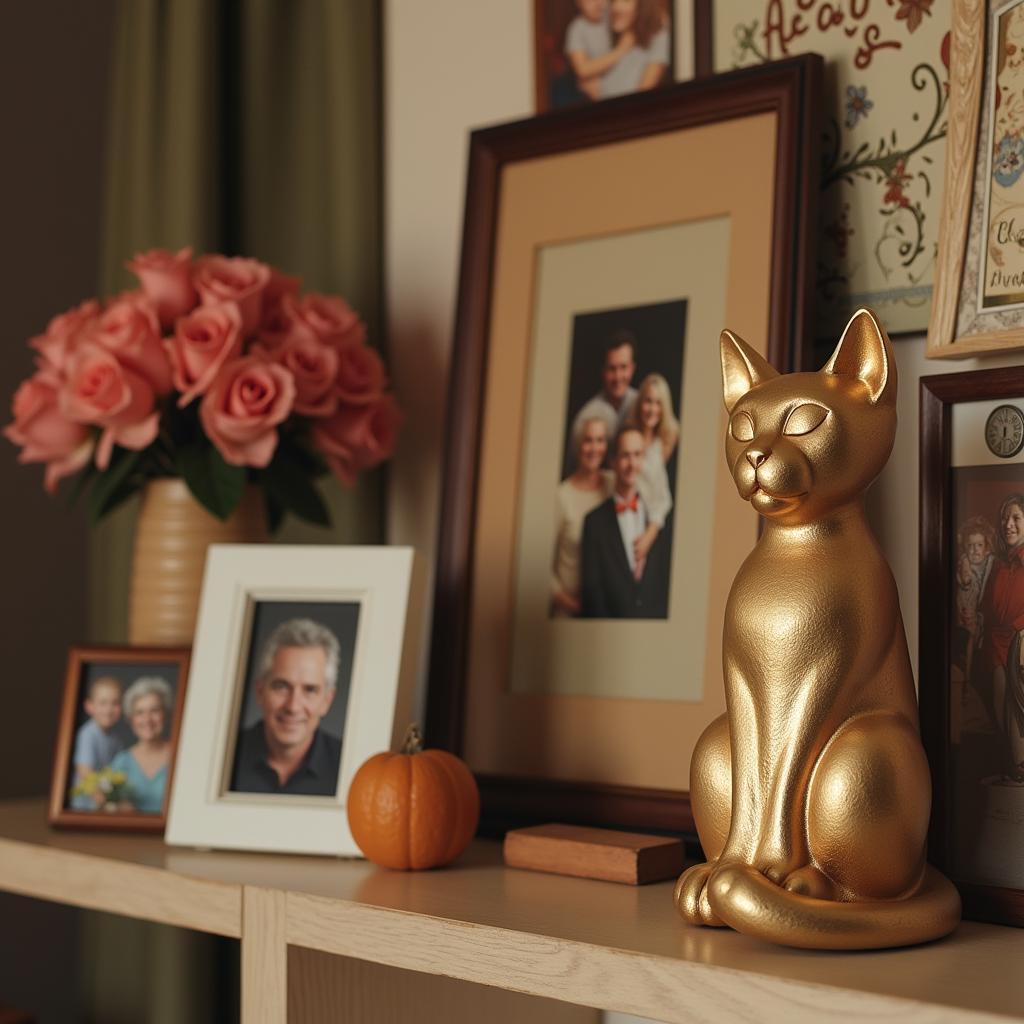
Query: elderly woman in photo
(579, 493)
(654, 417)
(147, 707)
(1003, 619)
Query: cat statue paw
(812, 794)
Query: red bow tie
(627, 506)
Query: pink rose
(102, 391)
(357, 438)
(235, 279)
(314, 366)
(166, 279)
(63, 333)
(203, 342)
(361, 376)
(243, 407)
(129, 328)
(45, 434)
(331, 318)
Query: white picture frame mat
(236, 577)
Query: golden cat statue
(812, 794)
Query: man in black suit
(613, 584)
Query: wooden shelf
(592, 943)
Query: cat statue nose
(755, 456)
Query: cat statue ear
(865, 352)
(742, 368)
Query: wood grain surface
(579, 941)
(601, 853)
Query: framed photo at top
(591, 50)
(589, 526)
(979, 295)
(972, 633)
(885, 133)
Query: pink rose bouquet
(217, 370)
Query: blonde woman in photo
(579, 493)
(654, 417)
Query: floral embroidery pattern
(857, 104)
(913, 12)
(897, 179)
(884, 142)
(1008, 163)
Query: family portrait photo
(615, 498)
(986, 690)
(116, 746)
(297, 676)
(589, 50)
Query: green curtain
(246, 127)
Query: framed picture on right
(979, 269)
(972, 633)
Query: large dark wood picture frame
(789, 90)
(939, 394)
(60, 814)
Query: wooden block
(594, 853)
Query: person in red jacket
(1003, 609)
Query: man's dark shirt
(317, 775)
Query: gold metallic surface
(812, 793)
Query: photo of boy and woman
(614, 504)
(986, 688)
(121, 751)
(592, 49)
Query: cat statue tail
(749, 902)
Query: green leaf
(113, 485)
(81, 483)
(289, 484)
(217, 486)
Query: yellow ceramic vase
(171, 539)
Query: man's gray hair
(143, 687)
(302, 633)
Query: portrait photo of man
(289, 748)
(618, 580)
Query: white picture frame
(238, 579)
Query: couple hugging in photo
(618, 47)
(611, 549)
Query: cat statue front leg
(811, 795)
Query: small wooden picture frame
(122, 707)
(972, 490)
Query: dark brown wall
(54, 60)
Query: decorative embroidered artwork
(1002, 283)
(884, 148)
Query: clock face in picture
(1004, 431)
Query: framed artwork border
(788, 89)
(966, 94)
(61, 816)
(938, 395)
(237, 578)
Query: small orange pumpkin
(417, 809)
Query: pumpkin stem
(413, 743)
